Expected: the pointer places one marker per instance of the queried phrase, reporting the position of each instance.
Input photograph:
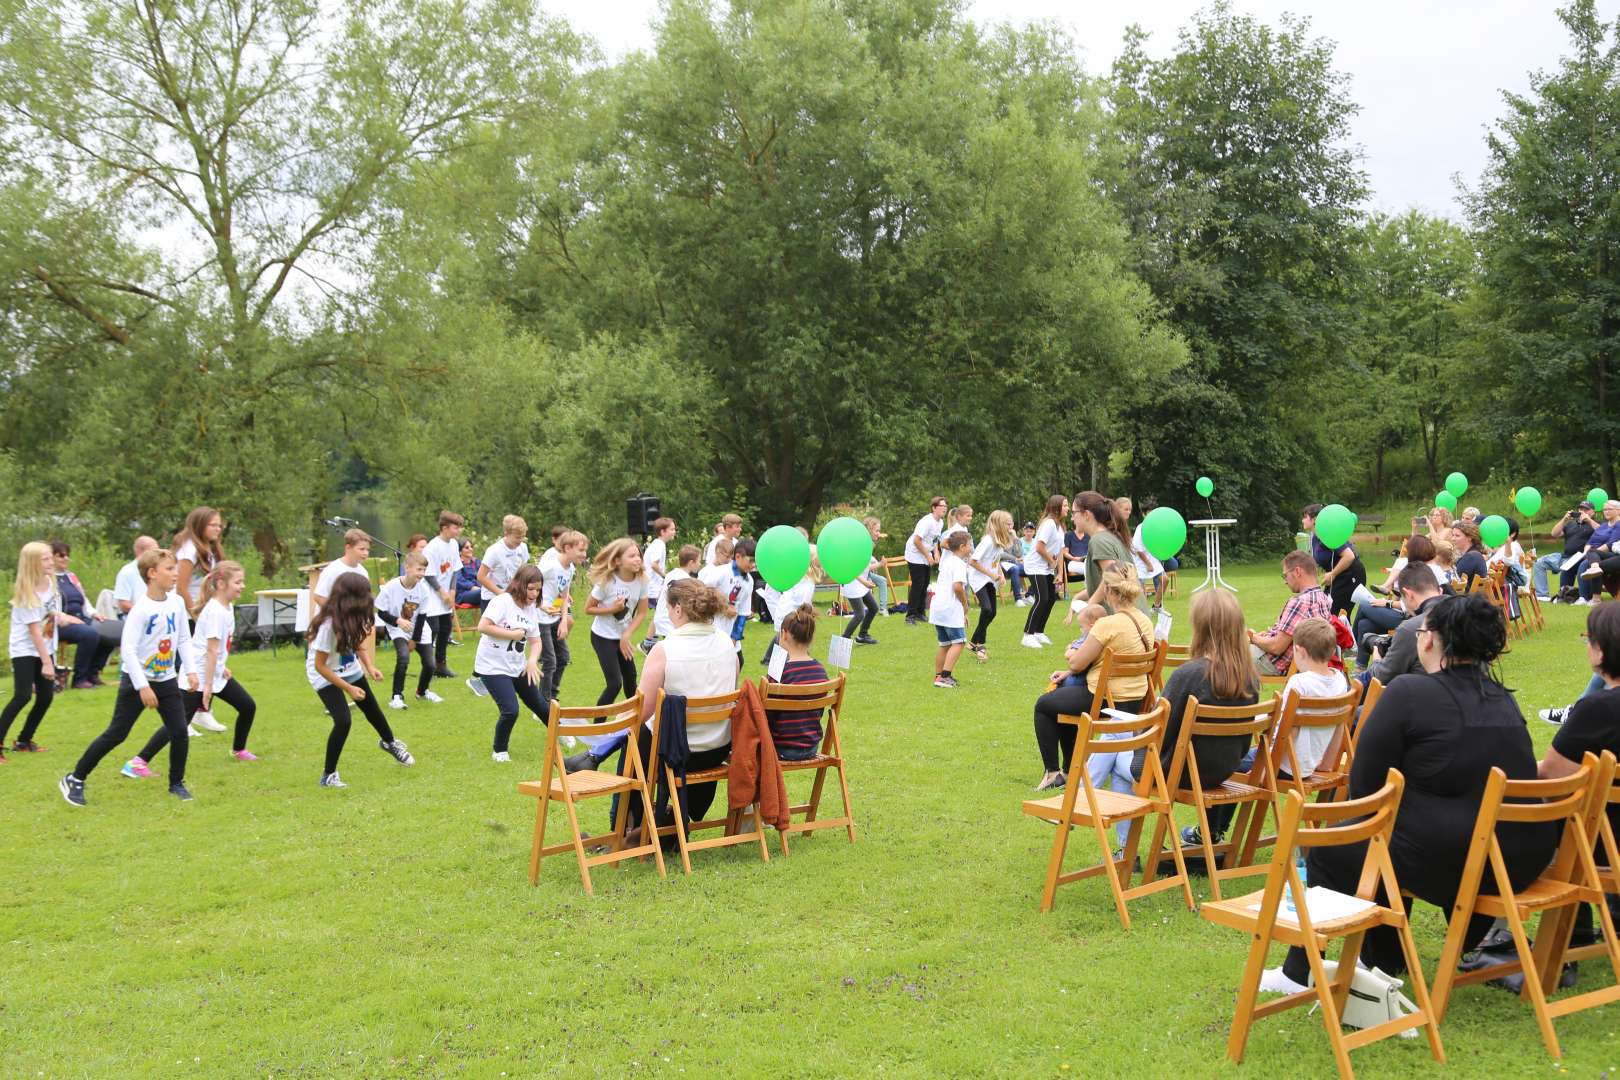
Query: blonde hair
(1445, 553)
(1443, 514)
(511, 523)
(216, 578)
(606, 563)
(690, 555)
(999, 527)
(571, 537)
(31, 580)
(1090, 613)
(1120, 581)
(1218, 637)
(722, 550)
(414, 557)
(1317, 638)
(698, 602)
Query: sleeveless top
(699, 661)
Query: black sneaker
(444, 673)
(179, 791)
(396, 749)
(866, 639)
(1555, 716)
(72, 789)
(581, 762)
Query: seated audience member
(1075, 547)
(1602, 552)
(1444, 730)
(1575, 528)
(1342, 568)
(1439, 520)
(1218, 672)
(1127, 630)
(1511, 555)
(1273, 649)
(1470, 514)
(78, 624)
(797, 735)
(1414, 549)
(467, 588)
(127, 586)
(1470, 554)
(1445, 561)
(1419, 591)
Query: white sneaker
(501, 755)
(1543, 599)
(1583, 602)
(1592, 571)
(1044, 639)
(1274, 981)
(476, 685)
(206, 721)
(1555, 716)
(1030, 641)
(428, 695)
(396, 702)
(191, 729)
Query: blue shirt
(1605, 534)
(1075, 544)
(1326, 558)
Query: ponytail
(215, 579)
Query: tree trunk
(1378, 470)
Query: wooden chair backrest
(1336, 824)
(1145, 732)
(1223, 721)
(1337, 712)
(580, 720)
(1123, 665)
(700, 712)
(1598, 825)
(827, 696)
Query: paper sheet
(839, 651)
(1324, 905)
(778, 664)
(1162, 629)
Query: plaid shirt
(1313, 603)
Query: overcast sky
(1428, 75)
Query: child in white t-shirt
(401, 608)
(655, 560)
(688, 559)
(356, 550)
(717, 576)
(557, 568)
(502, 559)
(508, 660)
(619, 603)
(948, 612)
(444, 559)
(339, 660)
(34, 606)
(1315, 645)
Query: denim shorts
(951, 635)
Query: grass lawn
(274, 928)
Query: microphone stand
(342, 524)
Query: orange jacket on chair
(753, 757)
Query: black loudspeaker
(640, 512)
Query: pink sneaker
(135, 769)
(244, 755)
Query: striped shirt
(799, 731)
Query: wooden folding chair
(1277, 682)
(1571, 879)
(1176, 655)
(1375, 690)
(1532, 607)
(1250, 796)
(1599, 825)
(1102, 810)
(1331, 777)
(703, 712)
(462, 629)
(897, 589)
(829, 697)
(557, 784)
(1261, 916)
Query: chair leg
(1248, 989)
(1532, 977)
(1325, 993)
(1209, 849)
(649, 827)
(1054, 864)
(815, 795)
(680, 821)
(849, 811)
(1111, 871)
(579, 847)
(1420, 989)
(539, 838)
(759, 831)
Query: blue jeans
(1113, 770)
(1546, 565)
(882, 583)
(1015, 576)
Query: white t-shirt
(555, 581)
(1049, 534)
(662, 627)
(657, 552)
(154, 643)
(345, 666)
(503, 563)
(44, 613)
(928, 531)
(1310, 743)
(334, 570)
(444, 560)
(708, 549)
(215, 621)
(986, 554)
(854, 590)
(1509, 552)
(498, 656)
(128, 585)
(947, 610)
(397, 600)
(735, 588)
(188, 553)
(780, 603)
(633, 591)
(1147, 567)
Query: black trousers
(442, 625)
(90, 649)
(917, 592)
(337, 706)
(507, 692)
(402, 663)
(126, 710)
(1051, 736)
(987, 611)
(863, 609)
(1041, 610)
(619, 670)
(553, 660)
(699, 797)
(27, 682)
(191, 700)
(1343, 586)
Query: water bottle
(1288, 889)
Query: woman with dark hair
(79, 625)
(1096, 516)
(1445, 730)
(1042, 562)
(1342, 568)
(340, 657)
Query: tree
(1240, 192)
(1548, 229)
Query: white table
(1212, 552)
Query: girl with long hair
(619, 601)
(35, 603)
(341, 656)
(1044, 560)
(196, 552)
(508, 658)
(984, 574)
(1220, 672)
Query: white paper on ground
(1162, 629)
(839, 651)
(778, 664)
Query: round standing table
(1212, 552)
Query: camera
(1378, 642)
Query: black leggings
(699, 797)
(127, 709)
(28, 681)
(554, 659)
(442, 625)
(917, 593)
(863, 609)
(1041, 610)
(987, 611)
(1343, 587)
(507, 692)
(402, 662)
(337, 706)
(191, 700)
(619, 670)
(1050, 736)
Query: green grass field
(273, 928)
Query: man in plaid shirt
(1272, 649)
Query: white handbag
(1374, 998)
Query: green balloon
(1597, 497)
(1494, 530)
(1164, 532)
(845, 549)
(1334, 525)
(1457, 484)
(1445, 500)
(783, 557)
(1205, 486)
(1528, 500)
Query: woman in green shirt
(1095, 516)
